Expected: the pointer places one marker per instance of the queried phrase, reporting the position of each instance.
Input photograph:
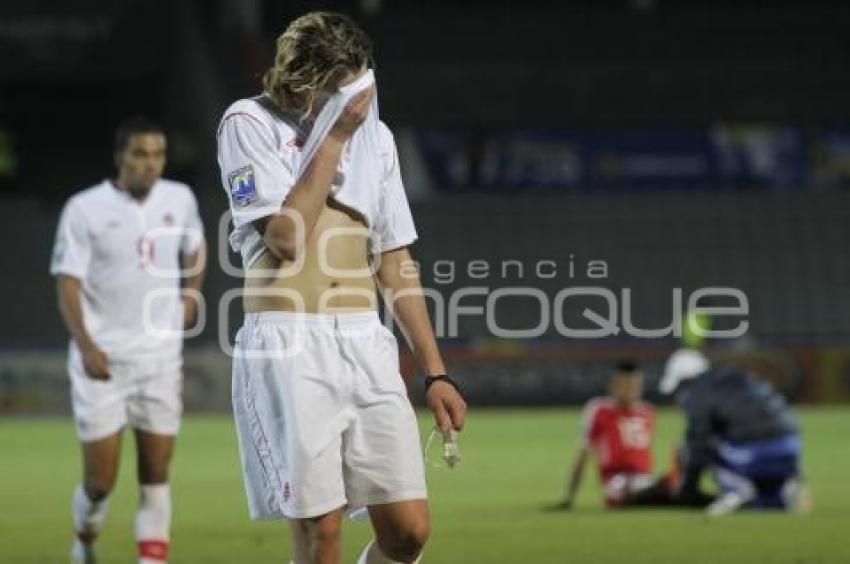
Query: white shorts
(322, 415)
(147, 395)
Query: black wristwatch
(429, 380)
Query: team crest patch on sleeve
(243, 186)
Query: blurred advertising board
(732, 156)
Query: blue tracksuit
(744, 430)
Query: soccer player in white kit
(122, 249)
(322, 414)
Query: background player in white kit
(117, 259)
(322, 413)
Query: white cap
(682, 365)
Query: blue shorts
(767, 464)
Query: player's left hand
(447, 405)
(190, 312)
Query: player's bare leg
(401, 530)
(154, 456)
(100, 470)
(153, 518)
(317, 540)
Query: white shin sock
(372, 555)
(153, 523)
(88, 515)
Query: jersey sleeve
(394, 226)
(590, 424)
(72, 247)
(193, 227)
(253, 171)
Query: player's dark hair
(627, 366)
(134, 126)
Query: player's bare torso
(334, 276)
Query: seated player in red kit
(618, 430)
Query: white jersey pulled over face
(259, 154)
(127, 253)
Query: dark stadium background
(686, 144)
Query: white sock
(153, 523)
(88, 515)
(373, 555)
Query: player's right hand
(96, 363)
(565, 504)
(353, 115)
(448, 406)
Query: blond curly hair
(313, 54)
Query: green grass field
(488, 510)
